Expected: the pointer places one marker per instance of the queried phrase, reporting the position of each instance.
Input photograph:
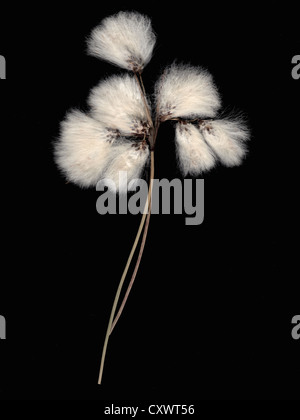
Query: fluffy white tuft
(186, 91)
(125, 39)
(227, 139)
(130, 158)
(83, 149)
(117, 102)
(193, 154)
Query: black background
(210, 314)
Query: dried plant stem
(142, 83)
(143, 93)
(117, 296)
(141, 248)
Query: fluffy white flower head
(125, 39)
(194, 155)
(227, 139)
(117, 103)
(186, 91)
(129, 158)
(83, 148)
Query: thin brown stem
(147, 210)
(117, 296)
(158, 119)
(142, 89)
(142, 83)
(141, 248)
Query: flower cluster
(118, 132)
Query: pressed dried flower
(118, 136)
(125, 39)
(118, 103)
(129, 162)
(185, 91)
(194, 155)
(83, 149)
(227, 138)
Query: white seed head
(227, 139)
(125, 39)
(117, 102)
(129, 158)
(83, 148)
(186, 91)
(193, 154)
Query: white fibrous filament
(227, 138)
(117, 102)
(186, 91)
(129, 163)
(83, 149)
(194, 155)
(125, 39)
